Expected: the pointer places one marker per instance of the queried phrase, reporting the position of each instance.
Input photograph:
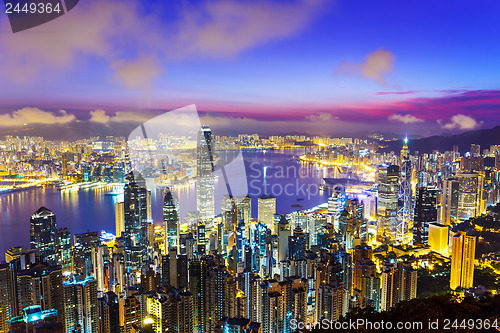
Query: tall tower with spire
(205, 185)
(405, 213)
(405, 151)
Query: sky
(315, 66)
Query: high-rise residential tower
(119, 218)
(463, 249)
(6, 304)
(81, 305)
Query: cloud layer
(119, 34)
(375, 67)
(406, 119)
(100, 116)
(33, 115)
(461, 122)
(320, 117)
(452, 110)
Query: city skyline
(365, 229)
(250, 166)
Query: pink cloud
(460, 121)
(406, 119)
(376, 66)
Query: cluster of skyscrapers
(237, 273)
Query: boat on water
(117, 190)
(296, 205)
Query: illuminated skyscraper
(205, 186)
(43, 233)
(198, 275)
(63, 248)
(14, 253)
(399, 283)
(149, 208)
(425, 213)
(236, 209)
(170, 222)
(171, 311)
(463, 250)
(266, 211)
(470, 195)
(6, 304)
(475, 150)
(136, 214)
(132, 315)
(405, 213)
(405, 152)
(180, 311)
(330, 303)
(336, 204)
(387, 203)
(155, 309)
(80, 303)
(438, 238)
(244, 213)
(119, 218)
(407, 281)
(109, 313)
(297, 244)
(100, 258)
(449, 204)
(40, 284)
(228, 212)
(334, 285)
(283, 233)
(471, 164)
(201, 238)
(64, 166)
(352, 224)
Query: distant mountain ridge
(85, 129)
(482, 137)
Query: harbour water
(296, 186)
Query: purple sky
(303, 65)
